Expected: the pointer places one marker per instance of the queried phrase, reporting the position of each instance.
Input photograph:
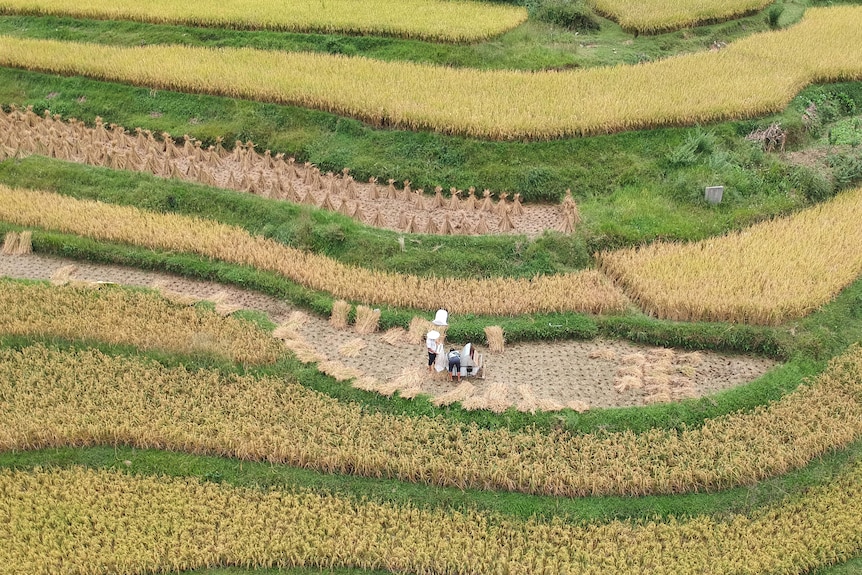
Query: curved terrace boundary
(59, 398)
(753, 77)
(766, 285)
(435, 20)
(116, 520)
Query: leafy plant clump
(571, 14)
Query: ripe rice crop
(449, 21)
(88, 521)
(742, 80)
(584, 291)
(766, 274)
(54, 398)
(120, 316)
(654, 16)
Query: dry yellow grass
(652, 16)
(451, 21)
(585, 291)
(120, 316)
(757, 75)
(86, 521)
(54, 398)
(766, 274)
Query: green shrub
(697, 142)
(571, 14)
(811, 184)
(846, 169)
(773, 15)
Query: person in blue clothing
(454, 357)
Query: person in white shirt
(431, 344)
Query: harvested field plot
(560, 373)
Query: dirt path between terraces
(546, 375)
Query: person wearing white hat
(431, 344)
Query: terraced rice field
(459, 21)
(499, 105)
(192, 376)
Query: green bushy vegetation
(569, 14)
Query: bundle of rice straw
(352, 348)
(366, 383)
(661, 397)
(626, 382)
(10, 243)
(460, 393)
(662, 353)
(172, 296)
(496, 341)
(303, 351)
(337, 370)
(290, 328)
(340, 311)
(528, 401)
(578, 406)
(634, 359)
(497, 397)
(475, 402)
(227, 308)
(603, 353)
(367, 319)
(548, 404)
(632, 370)
(693, 358)
(25, 243)
(62, 275)
(394, 336)
(418, 329)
